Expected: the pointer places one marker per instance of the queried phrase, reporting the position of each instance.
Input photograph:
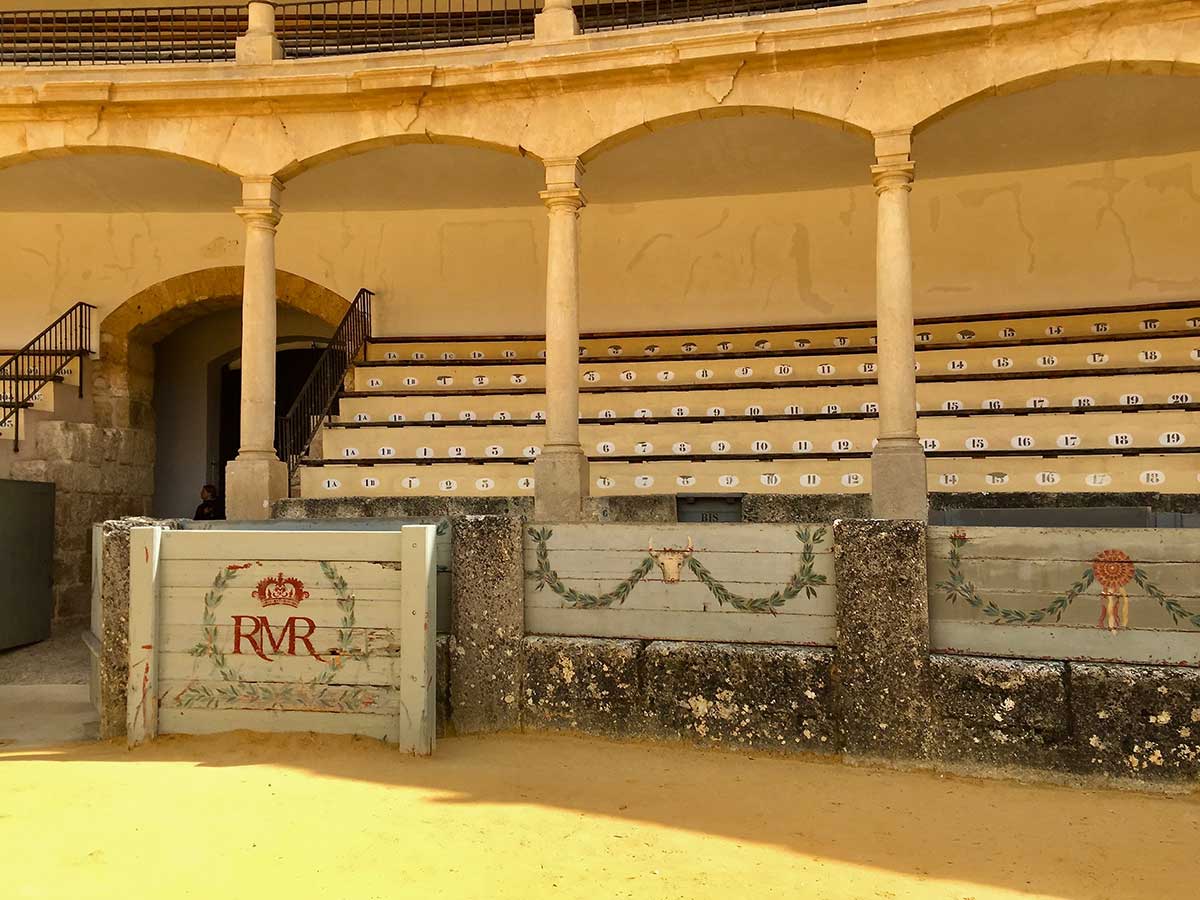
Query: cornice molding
(599, 58)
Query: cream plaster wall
(1094, 233)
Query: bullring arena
(793, 394)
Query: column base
(560, 477)
(257, 49)
(899, 485)
(252, 485)
(555, 24)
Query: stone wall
(879, 695)
(98, 474)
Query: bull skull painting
(670, 561)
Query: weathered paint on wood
(270, 630)
(746, 583)
(141, 711)
(1066, 593)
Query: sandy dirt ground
(298, 816)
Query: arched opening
(753, 218)
(168, 371)
(450, 236)
(1075, 192)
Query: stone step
(998, 329)
(1152, 471)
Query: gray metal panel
(26, 564)
(708, 509)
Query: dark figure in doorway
(210, 507)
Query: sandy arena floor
(254, 816)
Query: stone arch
(701, 112)
(367, 144)
(969, 93)
(61, 150)
(123, 379)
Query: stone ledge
(998, 712)
(760, 696)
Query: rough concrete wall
(487, 623)
(765, 697)
(881, 665)
(1039, 500)
(98, 474)
(998, 712)
(1135, 720)
(114, 639)
(1103, 719)
(603, 509)
(821, 508)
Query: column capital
(566, 172)
(260, 200)
(563, 198)
(892, 176)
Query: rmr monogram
(258, 633)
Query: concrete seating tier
(944, 395)
(1175, 473)
(1143, 430)
(1061, 326)
(1095, 400)
(792, 368)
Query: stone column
(259, 44)
(257, 478)
(556, 21)
(881, 680)
(561, 472)
(898, 479)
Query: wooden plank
(179, 665)
(215, 721)
(185, 606)
(181, 638)
(756, 570)
(1076, 544)
(711, 538)
(1144, 613)
(1066, 642)
(141, 710)
(345, 546)
(415, 726)
(250, 696)
(1176, 579)
(756, 628)
(683, 596)
(363, 577)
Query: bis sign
(283, 631)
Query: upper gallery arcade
(571, 172)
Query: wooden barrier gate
(283, 631)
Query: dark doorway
(292, 368)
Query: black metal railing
(42, 361)
(379, 26)
(621, 14)
(295, 431)
(96, 37)
(90, 37)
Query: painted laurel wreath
(317, 694)
(1112, 569)
(804, 580)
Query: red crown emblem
(280, 591)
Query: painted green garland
(958, 587)
(316, 695)
(804, 580)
